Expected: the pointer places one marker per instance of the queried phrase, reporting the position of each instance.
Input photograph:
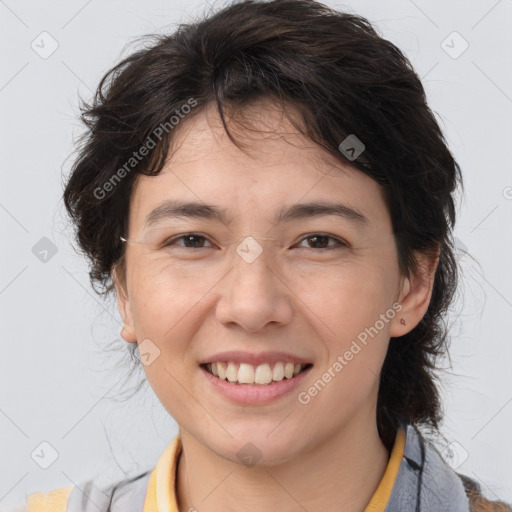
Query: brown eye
(321, 241)
(190, 241)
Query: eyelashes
(313, 236)
(338, 241)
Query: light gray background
(56, 375)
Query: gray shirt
(424, 483)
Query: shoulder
(469, 487)
(477, 502)
(425, 473)
(125, 495)
(55, 500)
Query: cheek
(170, 383)
(163, 305)
(352, 314)
(164, 314)
(347, 299)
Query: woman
(271, 199)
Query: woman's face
(321, 289)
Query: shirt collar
(161, 494)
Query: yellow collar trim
(381, 496)
(161, 493)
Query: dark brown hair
(342, 78)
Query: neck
(340, 473)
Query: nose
(254, 292)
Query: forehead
(278, 166)
(263, 128)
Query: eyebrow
(186, 209)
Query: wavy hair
(342, 78)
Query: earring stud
(402, 321)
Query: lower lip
(254, 394)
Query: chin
(256, 447)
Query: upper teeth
(248, 374)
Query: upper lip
(239, 356)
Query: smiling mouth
(248, 374)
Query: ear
(415, 294)
(123, 304)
